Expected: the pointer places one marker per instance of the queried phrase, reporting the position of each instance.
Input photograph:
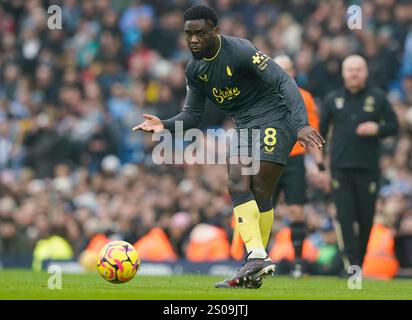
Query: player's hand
(367, 129)
(307, 136)
(151, 124)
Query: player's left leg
(276, 142)
(262, 186)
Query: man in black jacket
(360, 115)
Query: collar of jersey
(218, 50)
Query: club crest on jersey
(204, 77)
(339, 102)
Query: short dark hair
(199, 12)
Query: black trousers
(354, 193)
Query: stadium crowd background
(70, 164)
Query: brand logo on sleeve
(261, 60)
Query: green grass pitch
(23, 284)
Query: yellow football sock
(247, 223)
(265, 224)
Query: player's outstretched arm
(190, 116)
(192, 112)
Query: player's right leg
(263, 184)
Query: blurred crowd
(70, 165)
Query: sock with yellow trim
(247, 223)
(267, 215)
